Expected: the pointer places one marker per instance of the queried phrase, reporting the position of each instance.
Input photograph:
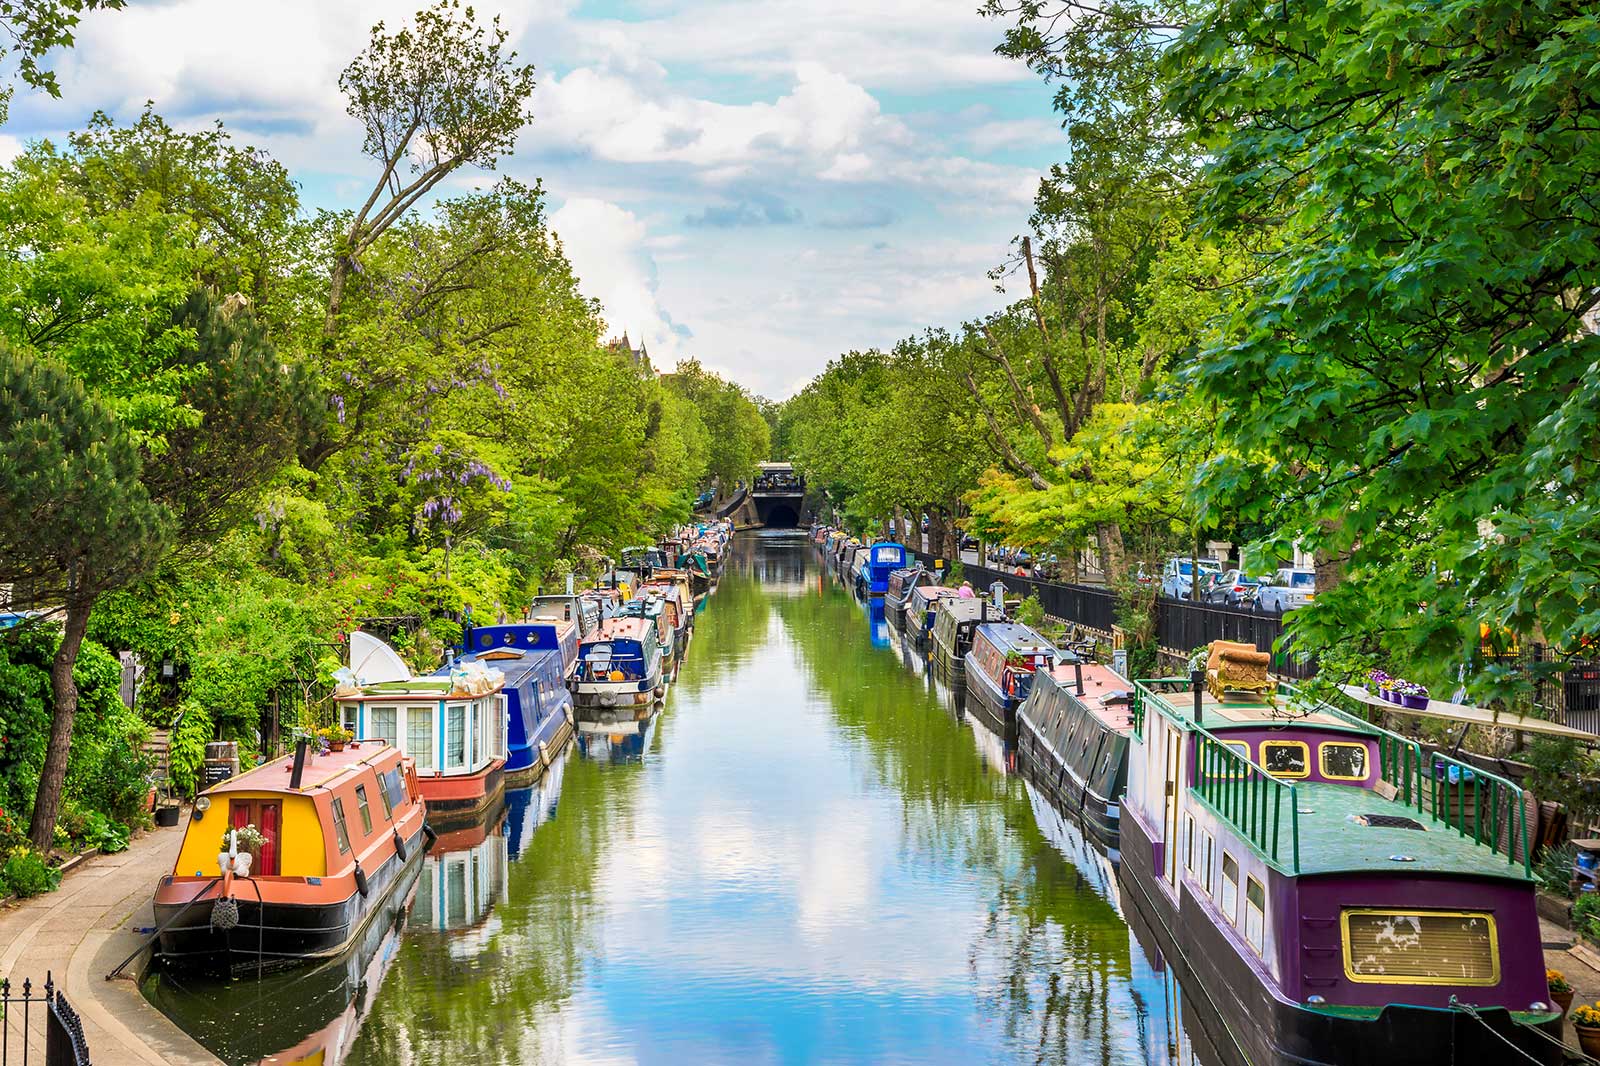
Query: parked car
(1178, 575)
(1232, 588)
(1289, 588)
(969, 542)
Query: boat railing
(1262, 808)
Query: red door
(267, 816)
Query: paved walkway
(78, 933)
(1581, 967)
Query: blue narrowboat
(876, 564)
(620, 667)
(535, 660)
(1000, 669)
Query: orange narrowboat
(289, 862)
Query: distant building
(639, 355)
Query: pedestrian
(965, 591)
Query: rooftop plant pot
(1416, 703)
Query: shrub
(27, 874)
(1030, 612)
(1554, 869)
(1586, 914)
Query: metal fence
(1182, 626)
(64, 1043)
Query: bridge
(778, 496)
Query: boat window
(382, 725)
(1210, 859)
(1255, 914)
(340, 832)
(1286, 758)
(1188, 843)
(1420, 947)
(1343, 761)
(455, 735)
(363, 810)
(1228, 898)
(419, 736)
(348, 717)
(383, 794)
(395, 785)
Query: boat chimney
(569, 583)
(1197, 681)
(1077, 673)
(299, 763)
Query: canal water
(810, 856)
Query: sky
(758, 184)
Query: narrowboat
(898, 591)
(654, 609)
(1000, 669)
(581, 611)
(1072, 742)
(872, 567)
(335, 833)
(678, 579)
(917, 623)
(955, 620)
(453, 725)
(536, 661)
(1326, 891)
(677, 608)
(621, 666)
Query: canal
(810, 856)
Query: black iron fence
(1181, 626)
(47, 1008)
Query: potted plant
(249, 841)
(1378, 683)
(1586, 1020)
(1409, 694)
(1560, 990)
(336, 737)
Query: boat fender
(1011, 685)
(361, 880)
(225, 913)
(400, 845)
(428, 831)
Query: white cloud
(607, 246)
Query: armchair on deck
(1240, 669)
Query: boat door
(267, 816)
(1173, 743)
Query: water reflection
(808, 856)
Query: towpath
(79, 932)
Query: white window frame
(450, 710)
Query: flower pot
(1387, 696)
(1416, 703)
(1589, 1039)
(1562, 1000)
(335, 745)
(167, 816)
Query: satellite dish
(374, 662)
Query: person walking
(965, 591)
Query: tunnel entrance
(780, 516)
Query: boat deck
(1332, 841)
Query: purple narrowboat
(1325, 892)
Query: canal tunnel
(778, 513)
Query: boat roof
(965, 608)
(516, 663)
(323, 772)
(1014, 636)
(1332, 841)
(1243, 711)
(933, 592)
(621, 628)
(1106, 693)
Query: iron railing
(64, 1042)
(1253, 801)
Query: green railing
(1261, 807)
(1475, 803)
(1481, 805)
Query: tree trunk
(341, 270)
(64, 690)
(1111, 561)
(1329, 567)
(1194, 571)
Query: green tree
(30, 29)
(75, 521)
(1408, 385)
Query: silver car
(1291, 587)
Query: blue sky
(760, 185)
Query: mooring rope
(1471, 1012)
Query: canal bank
(78, 933)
